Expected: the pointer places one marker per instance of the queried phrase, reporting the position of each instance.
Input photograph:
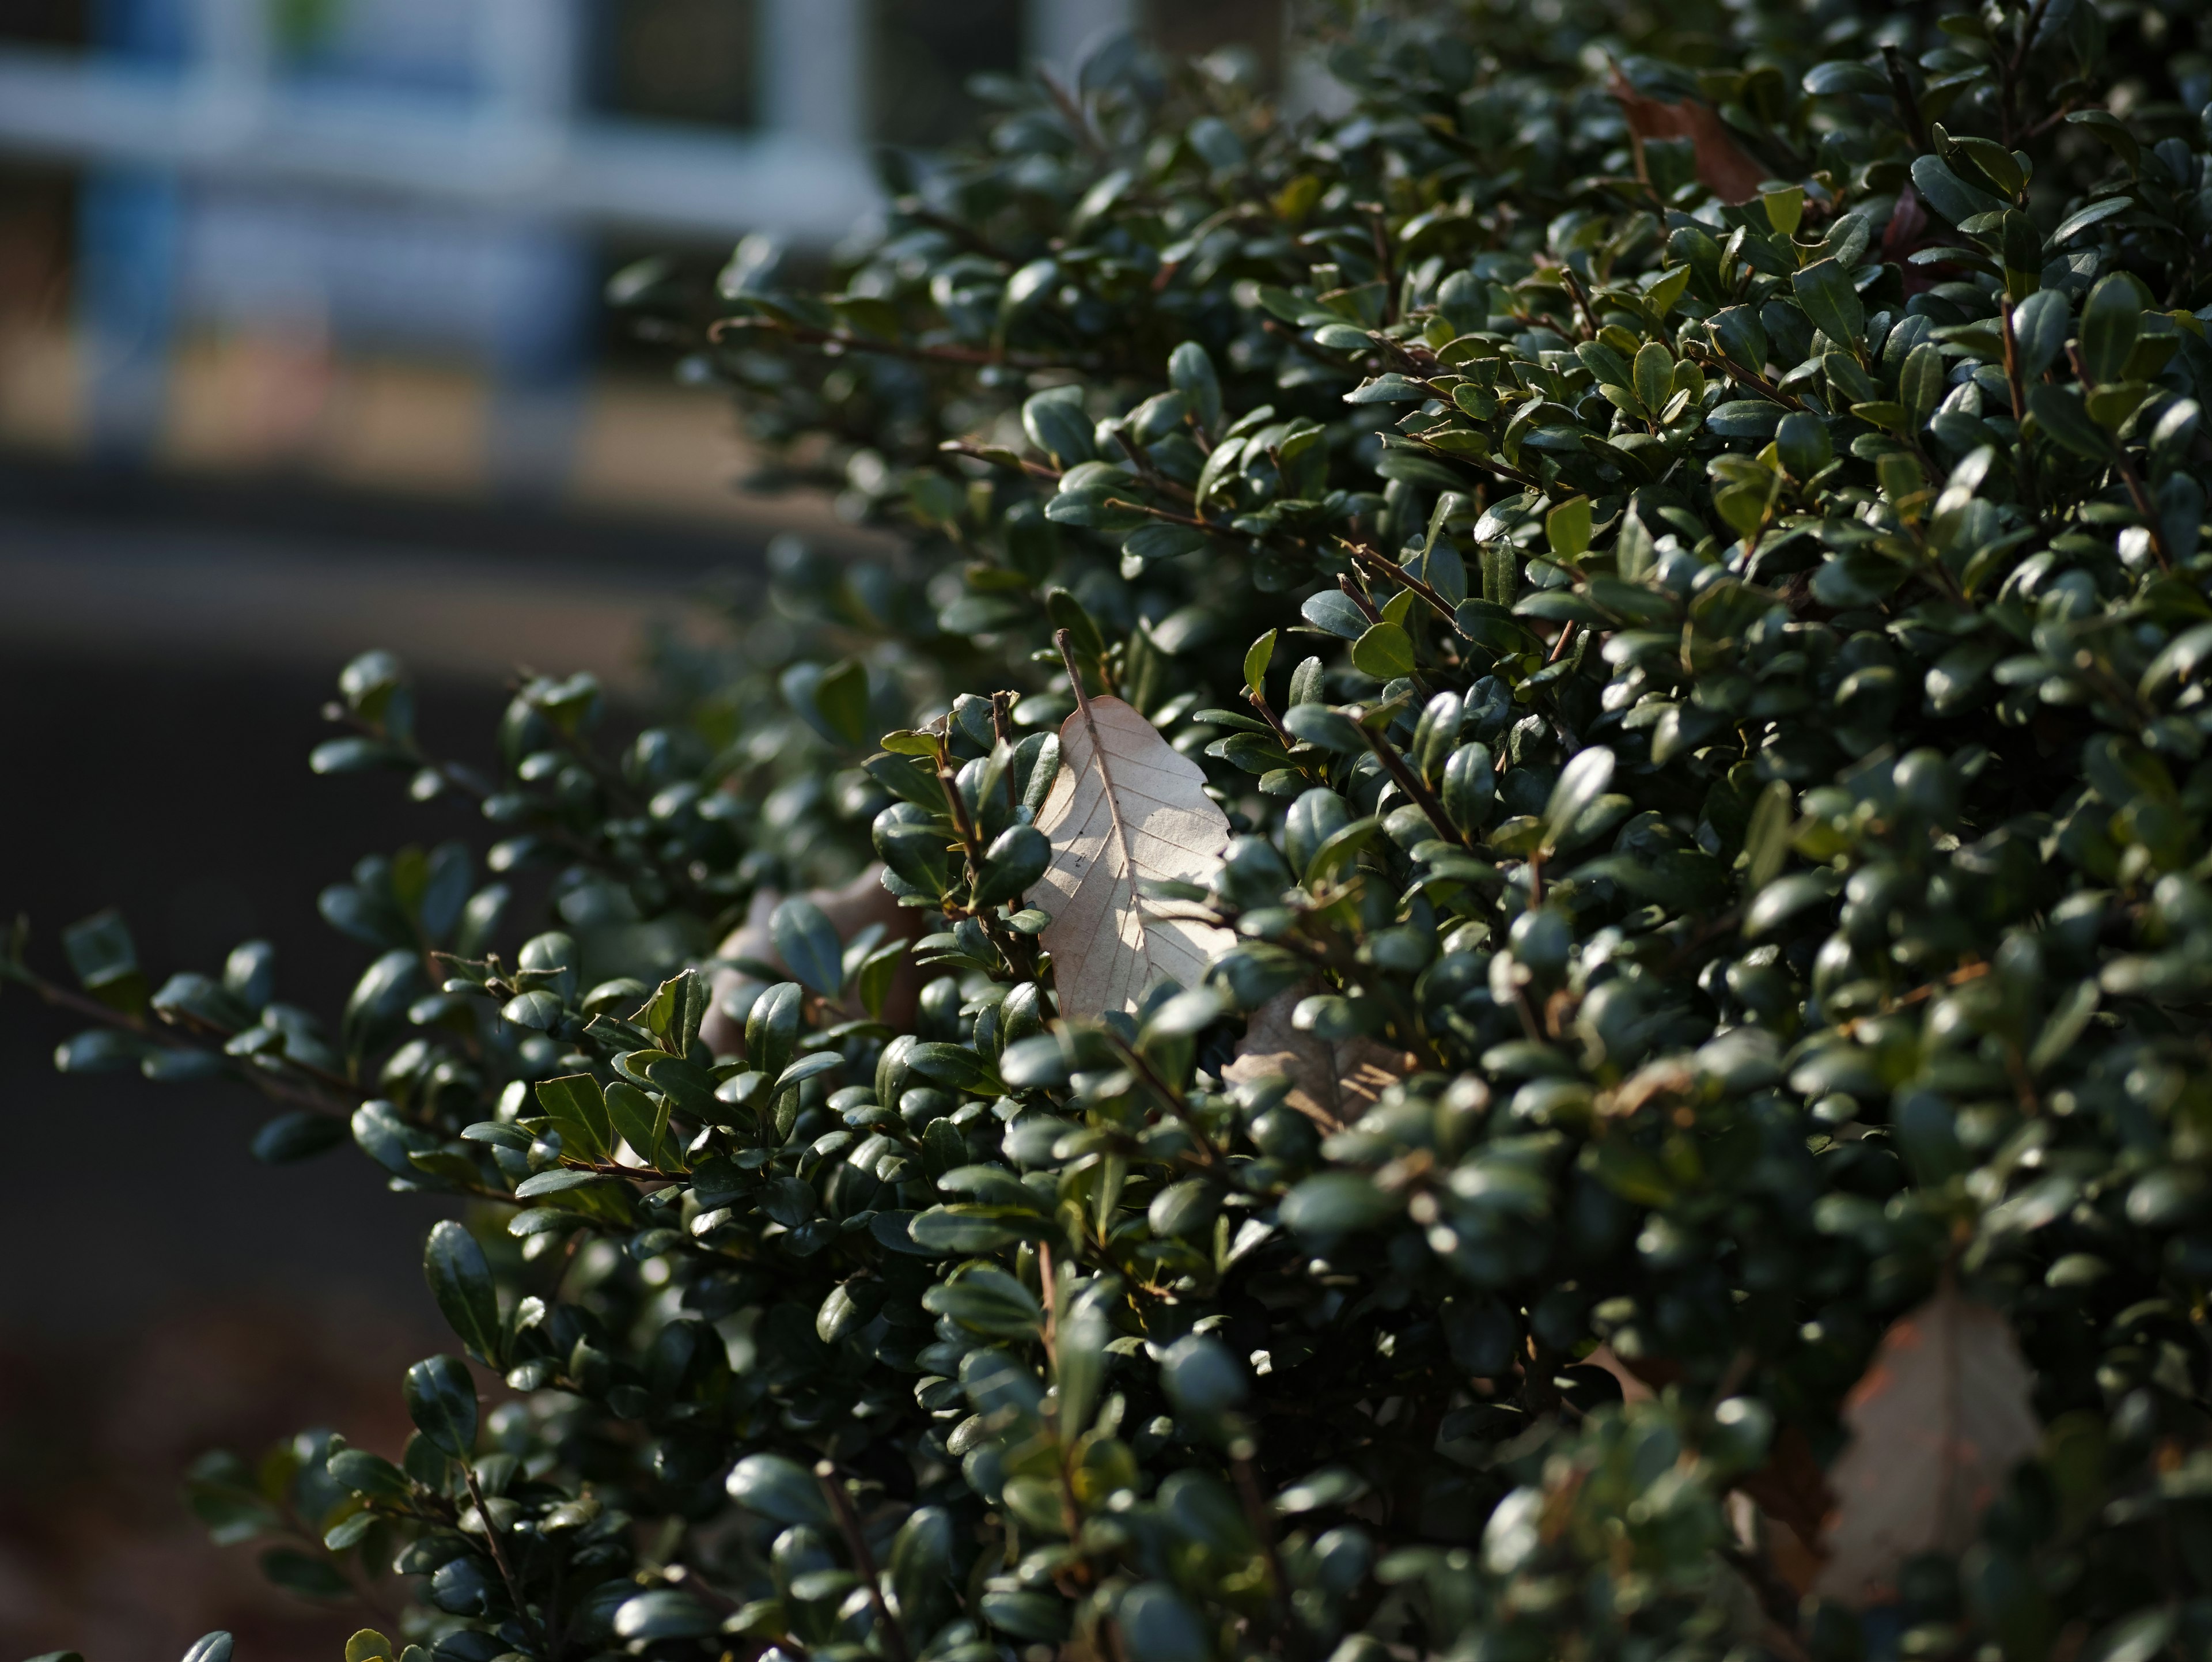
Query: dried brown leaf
(850, 910)
(1333, 1084)
(1127, 807)
(1937, 1423)
(1723, 165)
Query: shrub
(1544, 765)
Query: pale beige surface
(1126, 805)
(278, 401)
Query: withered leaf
(850, 910)
(1937, 1423)
(1331, 1083)
(1127, 807)
(1723, 165)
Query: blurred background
(303, 352)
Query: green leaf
(1654, 371)
(1824, 289)
(955, 1066)
(1055, 422)
(2095, 214)
(574, 1103)
(2060, 417)
(2112, 319)
(1384, 651)
(1920, 382)
(1803, 441)
(1257, 657)
(1190, 372)
(639, 1120)
(922, 1569)
(441, 1400)
(1335, 1204)
(2113, 132)
(840, 698)
(782, 1491)
(807, 942)
(2038, 326)
(369, 1474)
(1951, 196)
(1333, 611)
(1317, 724)
(1567, 528)
(460, 1280)
(1580, 782)
(988, 1301)
(772, 1027)
(1767, 841)
(1014, 861)
(105, 959)
(1844, 78)
(1745, 418)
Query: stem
(2129, 477)
(1173, 1098)
(1398, 574)
(2016, 385)
(1259, 703)
(1412, 784)
(1735, 372)
(1908, 101)
(1367, 608)
(1066, 642)
(498, 1551)
(1035, 470)
(1261, 1523)
(848, 1522)
(1581, 298)
(278, 1089)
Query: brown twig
(848, 1522)
(1412, 784)
(498, 1551)
(2130, 478)
(1261, 1523)
(1908, 101)
(2016, 385)
(276, 1088)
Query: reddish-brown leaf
(1723, 165)
(1937, 1423)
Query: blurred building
(366, 238)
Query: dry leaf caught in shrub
(1723, 165)
(1127, 807)
(1936, 1425)
(1332, 1083)
(850, 910)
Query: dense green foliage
(1717, 690)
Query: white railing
(518, 145)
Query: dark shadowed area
(168, 1294)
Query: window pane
(1186, 29)
(683, 60)
(923, 53)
